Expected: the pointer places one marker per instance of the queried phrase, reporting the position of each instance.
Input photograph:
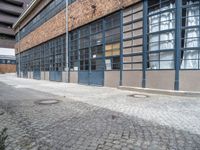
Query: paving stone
(83, 121)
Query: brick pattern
(7, 68)
(34, 12)
(80, 13)
(52, 28)
(85, 11)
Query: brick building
(7, 63)
(10, 10)
(140, 43)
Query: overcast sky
(7, 51)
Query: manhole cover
(47, 101)
(139, 96)
(1, 113)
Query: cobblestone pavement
(95, 118)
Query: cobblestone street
(94, 118)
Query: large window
(112, 40)
(84, 44)
(96, 44)
(93, 42)
(73, 51)
(161, 34)
(7, 61)
(71, 1)
(132, 37)
(48, 12)
(190, 53)
(49, 56)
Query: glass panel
(190, 34)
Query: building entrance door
(36, 70)
(91, 70)
(55, 73)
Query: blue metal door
(96, 75)
(55, 76)
(51, 75)
(93, 74)
(83, 77)
(25, 74)
(36, 74)
(96, 78)
(36, 70)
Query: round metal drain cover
(47, 101)
(1, 113)
(139, 96)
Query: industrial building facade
(140, 43)
(10, 10)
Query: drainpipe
(121, 47)
(19, 52)
(67, 45)
(121, 3)
(145, 28)
(177, 43)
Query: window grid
(73, 51)
(190, 35)
(132, 37)
(161, 34)
(71, 1)
(7, 61)
(49, 56)
(48, 12)
(90, 46)
(112, 41)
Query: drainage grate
(139, 96)
(47, 101)
(1, 113)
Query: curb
(159, 91)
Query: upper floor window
(71, 1)
(161, 31)
(190, 44)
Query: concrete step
(161, 91)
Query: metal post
(90, 61)
(78, 32)
(177, 43)
(199, 36)
(121, 47)
(104, 50)
(19, 53)
(67, 69)
(145, 29)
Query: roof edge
(26, 12)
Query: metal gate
(88, 42)
(55, 76)
(36, 70)
(25, 73)
(91, 70)
(56, 60)
(91, 78)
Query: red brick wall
(7, 68)
(52, 28)
(81, 11)
(33, 13)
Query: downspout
(121, 47)
(19, 52)
(177, 43)
(121, 3)
(67, 45)
(145, 30)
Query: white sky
(7, 51)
